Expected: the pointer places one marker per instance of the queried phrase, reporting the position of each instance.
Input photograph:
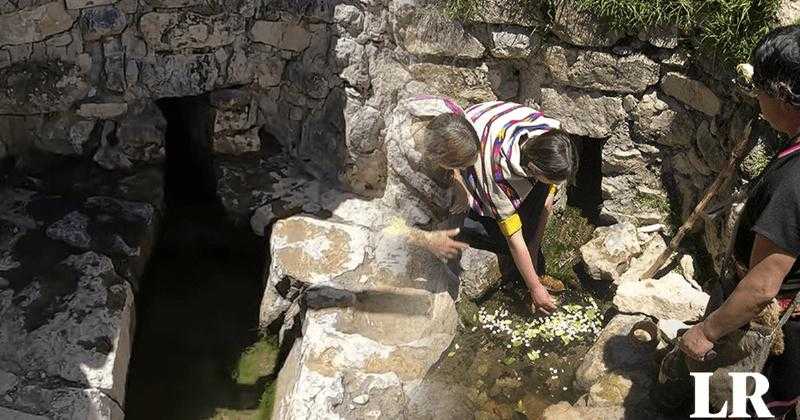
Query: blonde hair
(451, 141)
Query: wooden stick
(739, 152)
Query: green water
(197, 354)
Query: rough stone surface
(615, 390)
(237, 143)
(67, 308)
(102, 111)
(465, 85)
(141, 132)
(613, 352)
(651, 250)
(565, 410)
(102, 21)
(479, 271)
(281, 35)
(692, 93)
(663, 122)
(64, 134)
(72, 230)
(661, 37)
(41, 87)
(508, 12)
(180, 75)
(581, 28)
(347, 353)
(177, 31)
(82, 4)
(610, 251)
(428, 33)
(670, 297)
(512, 42)
(277, 184)
(601, 71)
(789, 12)
(583, 114)
(35, 24)
(105, 330)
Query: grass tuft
(725, 30)
(566, 232)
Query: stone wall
(79, 78)
(300, 95)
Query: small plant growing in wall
(724, 29)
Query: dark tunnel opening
(197, 311)
(586, 192)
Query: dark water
(197, 313)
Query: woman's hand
(542, 300)
(442, 244)
(695, 343)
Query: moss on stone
(467, 312)
(267, 400)
(256, 362)
(566, 232)
(653, 202)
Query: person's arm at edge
(522, 259)
(762, 283)
(547, 211)
(770, 264)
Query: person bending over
(506, 194)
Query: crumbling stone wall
(80, 77)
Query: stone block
(601, 71)
(583, 114)
(175, 31)
(99, 22)
(692, 93)
(34, 24)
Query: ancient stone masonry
(303, 97)
(72, 250)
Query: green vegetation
(756, 161)
(726, 30)
(254, 369)
(566, 232)
(267, 400)
(462, 9)
(653, 202)
(256, 362)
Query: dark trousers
(482, 232)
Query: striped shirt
(497, 182)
